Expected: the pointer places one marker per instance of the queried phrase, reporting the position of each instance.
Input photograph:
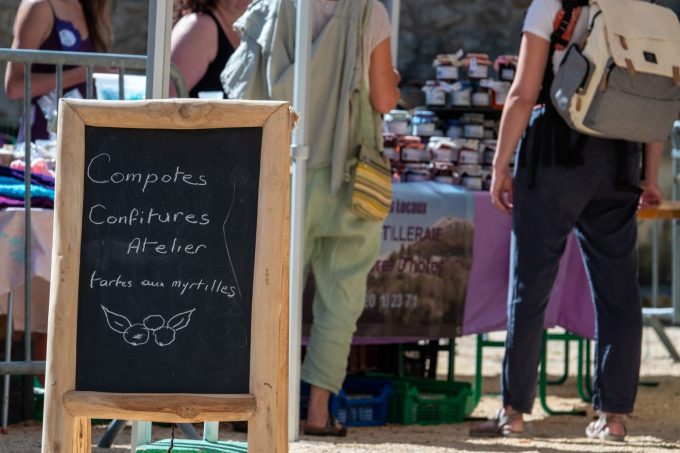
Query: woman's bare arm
(31, 28)
(533, 58)
(383, 78)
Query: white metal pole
(299, 153)
(157, 87)
(675, 281)
(158, 49)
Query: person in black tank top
(203, 39)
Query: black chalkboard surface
(167, 257)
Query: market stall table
(443, 271)
(483, 259)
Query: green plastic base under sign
(193, 446)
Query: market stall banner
(418, 285)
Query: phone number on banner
(391, 301)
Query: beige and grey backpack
(624, 81)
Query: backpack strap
(565, 23)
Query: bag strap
(565, 22)
(368, 120)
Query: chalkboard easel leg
(141, 434)
(189, 431)
(82, 435)
(115, 427)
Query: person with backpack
(568, 181)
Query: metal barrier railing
(59, 59)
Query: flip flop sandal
(333, 428)
(599, 429)
(499, 426)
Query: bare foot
(317, 411)
(616, 424)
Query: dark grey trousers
(598, 200)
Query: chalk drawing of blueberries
(164, 336)
(136, 335)
(164, 333)
(154, 322)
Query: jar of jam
(424, 123)
(434, 93)
(446, 67)
(397, 122)
(412, 149)
(445, 150)
(506, 65)
(478, 65)
(416, 173)
(443, 172)
(391, 146)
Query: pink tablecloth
(570, 304)
(12, 264)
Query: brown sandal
(599, 429)
(333, 428)
(499, 426)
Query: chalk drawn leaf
(117, 323)
(181, 320)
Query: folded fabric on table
(36, 202)
(38, 179)
(13, 188)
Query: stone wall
(427, 27)
(430, 27)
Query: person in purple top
(68, 25)
(203, 39)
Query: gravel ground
(653, 427)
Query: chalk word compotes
(99, 171)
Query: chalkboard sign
(169, 298)
(167, 255)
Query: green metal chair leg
(482, 343)
(562, 379)
(582, 386)
(589, 377)
(542, 382)
(477, 391)
(452, 358)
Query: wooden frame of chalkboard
(73, 395)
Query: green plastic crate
(428, 402)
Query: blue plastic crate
(362, 401)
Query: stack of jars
(467, 82)
(423, 148)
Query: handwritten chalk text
(143, 245)
(99, 172)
